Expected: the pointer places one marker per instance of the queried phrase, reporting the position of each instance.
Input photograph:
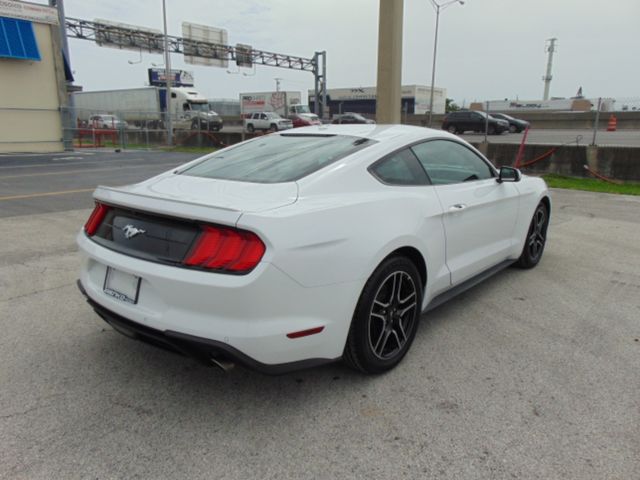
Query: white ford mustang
(295, 249)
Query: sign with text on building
(28, 11)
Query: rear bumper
(201, 349)
(246, 317)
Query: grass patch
(591, 185)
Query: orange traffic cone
(613, 123)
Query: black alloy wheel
(536, 238)
(386, 318)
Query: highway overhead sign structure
(244, 56)
(110, 34)
(204, 45)
(127, 37)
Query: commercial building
(32, 75)
(415, 100)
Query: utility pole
(388, 89)
(549, 48)
(167, 75)
(437, 7)
(278, 80)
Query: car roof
(378, 132)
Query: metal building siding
(17, 39)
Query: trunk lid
(197, 198)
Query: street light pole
(437, 7)
(167, 75)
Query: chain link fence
(143, 129)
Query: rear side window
(449, 162)
(277, 158)
(400, 168)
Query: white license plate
(121, 285)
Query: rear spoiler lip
(169, 207)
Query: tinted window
(277, 158)
(401, 168)
(449, 162)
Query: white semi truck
(147, 107)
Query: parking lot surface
(532, 374)
(55, 182)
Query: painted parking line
(46, 194)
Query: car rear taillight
(226, 249)
(95, 219)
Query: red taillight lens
(95, 219)
(226, 249)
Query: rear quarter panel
(339, 238)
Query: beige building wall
(30, 98)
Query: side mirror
(509, 174)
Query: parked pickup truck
(266, 121)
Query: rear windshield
(277, 158)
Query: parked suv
(460, 122)
(266, 121)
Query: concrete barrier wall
(621, 163)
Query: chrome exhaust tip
(222, 363)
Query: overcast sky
(488, 49)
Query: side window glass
(401, 168)
(449, 162)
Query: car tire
(513, 129)
(536, 238)
(386, 317)
(273, 127)
(250, 128)
(452, 129)
(195, 125)
(491, 130)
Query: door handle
(458, 207)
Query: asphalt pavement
(55, 182)
(530, 375)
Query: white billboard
(204, 55)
